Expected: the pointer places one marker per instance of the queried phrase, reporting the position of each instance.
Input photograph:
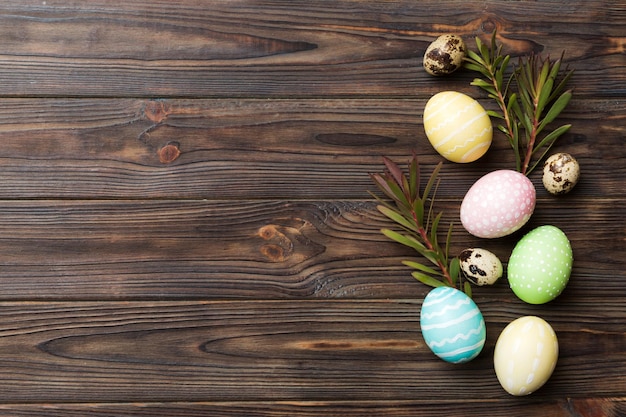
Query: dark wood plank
(258, 149)
(286, 351)
(567, 407)
(263, 249)
(185, 227)
(277, 49)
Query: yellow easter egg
(525, 355)
(457, 126)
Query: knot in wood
(279, 247)
(274, 253)
(489, 25)
(157, 111)
(169, 153)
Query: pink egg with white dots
(498, 204)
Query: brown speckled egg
(560, 173)
(480, 266)
(444, 55)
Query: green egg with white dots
(540, 265)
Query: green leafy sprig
(412, 210)
(525, 115)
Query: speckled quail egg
(444, 55)
(480, 266)
(560, 173)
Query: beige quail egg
(560, 173)
(480, 266)
(444, 55)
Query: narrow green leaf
(496, 63)
(382, 201)
(478, 42)
(394, 170)
(433, 232)
(397, 217)
(544, 95)
(527, 123)
(515, 145)
(431, 205)
(473, 56)
(432, 256)
(526, 101)
(389, 188)
(431, 181)
(543, 76)
(476, 67)
(484, 51)
(509, 81)
(479, 82)
(407, 213)
(555, 67)
(505, 62)
(495, 114)
(512, 103)
(406, 188)
(418, 209)
(556, 108)
(484, 85)
(561, 86)
(397, 193)
(454, 269)
(404, 240)
(382, 184)
(494, 42)
(414, 178)
(493, 49)
(420, 267)
(428, 280)
(529, 74)
(467, 289)
(552, 136)
(499, 77)
(448, 240)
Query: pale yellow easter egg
(525, 355)
(457, 126)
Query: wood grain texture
(498, 408)
(279, 49)
(186, 229)
(253, 350)
(258, 149)
(263, 249)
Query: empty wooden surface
(186, 229)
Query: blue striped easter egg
(452, 325)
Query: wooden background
(246, 275)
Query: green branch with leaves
(525, 115)
(412, 209)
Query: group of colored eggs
(527, 350)
(525, 354)
(497, 205)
